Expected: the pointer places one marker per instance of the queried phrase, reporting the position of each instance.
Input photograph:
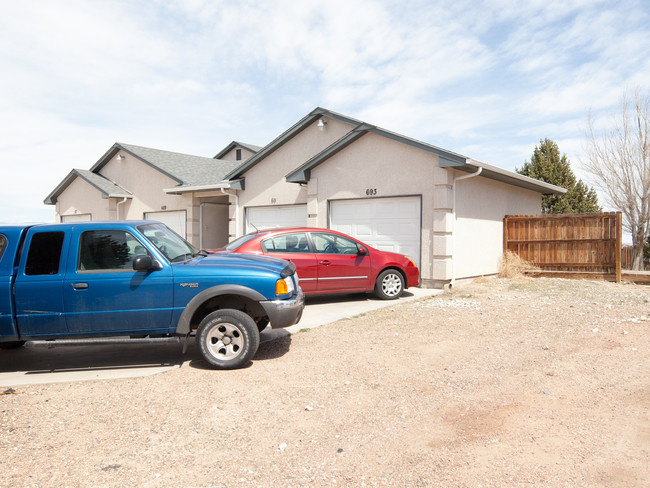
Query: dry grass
(512, 266)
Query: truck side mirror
(146, 263)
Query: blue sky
(484, 79)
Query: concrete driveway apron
(69, 361)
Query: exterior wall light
(321, 124)
(120, 157)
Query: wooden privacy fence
(574, 243)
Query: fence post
(505, 235)
(619, 245)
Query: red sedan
(332, 262)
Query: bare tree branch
(619, 159)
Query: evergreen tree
(547, 165)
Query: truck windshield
(173, 246)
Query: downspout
(453, 230)
(223, 190)
(117, 206)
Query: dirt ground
(501, 383)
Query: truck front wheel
(227, 339)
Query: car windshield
(173, 246)
(240, 241)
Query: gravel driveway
(530, 382)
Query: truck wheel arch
(244, 298)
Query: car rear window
(287, 243)
(240, 242)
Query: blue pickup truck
(139, 279)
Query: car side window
(291, 243)
(44, 254)
(325, 243)
(102, 250)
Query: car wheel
(389, 284)
(12, 344)
(227, 339)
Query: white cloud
(486, 79)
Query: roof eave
(509, 177)
(222, 185)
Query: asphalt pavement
(43, 362)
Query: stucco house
(328, 170)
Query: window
(101, 250)
(3, 245)
(333, 244)
(44, 254)
(173, 246)
(238, 154)
(287, 243)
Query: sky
(486, 79)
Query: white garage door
(176, 220)
(388, 224)
(274, 217)
(76, 218)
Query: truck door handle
(325, 262)
(79, 286)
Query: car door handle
(79, 286)
(325, 262)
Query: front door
(340, 266)
(102, 292)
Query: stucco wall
(82, 198)
(265, 182)
(481, 205)
(389, 167)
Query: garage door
(274, 217)
(176, 220)
(388, 224)
(76, 218)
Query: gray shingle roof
(186, 169)
(107, 188)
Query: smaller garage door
(176, 220)
(273, 217)
(76, 218)
(387, 224)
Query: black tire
(389, 284)
(227, 339)
(12, 344)
(262, 323)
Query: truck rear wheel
(227, 339)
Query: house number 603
(371, 191)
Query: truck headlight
(284, 286)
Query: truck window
(101, 250)
(44, 253)
(3, 245)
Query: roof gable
(185, 169)
(446, 159)
(234, 145)
(107, 188)
(286, 136)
